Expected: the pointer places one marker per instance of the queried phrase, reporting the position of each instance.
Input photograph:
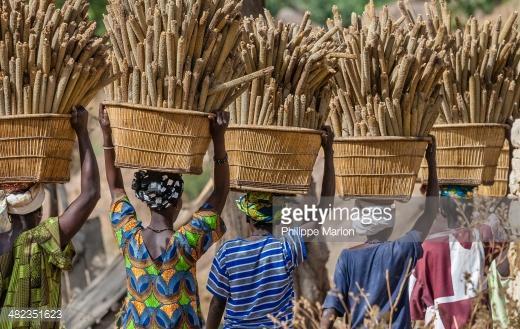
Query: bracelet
(108, 147)
(220, 162)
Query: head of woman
(21, 204)
(160, 191)
(456, 204)
(372, 224)
(258, 208)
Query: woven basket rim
(274, 128)
(35, 116)
(382, 139)
(470, 125)
(156, 109)
(191, 171)
(396, 198)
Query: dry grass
(307, 314)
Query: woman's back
(255, 276)
(162, 290)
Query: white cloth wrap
(22, 203)
(4, 217)
(372, 227)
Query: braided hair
(158, 190)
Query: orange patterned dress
(162, 292)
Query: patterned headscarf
(457, 192)
(257, 205)
(158, 190)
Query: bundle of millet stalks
(482, 81)
(391, 88)
(50, 59)
(176, 53)
(297, 92)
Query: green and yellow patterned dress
(163, 292)
(30, 275)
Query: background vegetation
(321, 9)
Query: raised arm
(328, 186)
(218, 126)
(80, 209)
(424, 223)
(114, 177)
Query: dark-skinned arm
(80, 209)
(113, 174)
(328, 186)
(425, 222)
(503, 265)
(216, 310)
(218, 126)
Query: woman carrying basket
(160, 260)
(33, 252)
(376, 273)
(251, 279)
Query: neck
(381, 236)
(160, 220)
(24, 223)
(260, 231)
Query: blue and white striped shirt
(255, 277)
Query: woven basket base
(467, 154)
(498, 189)
(377, 167)
(272, 159)
(159, 139)
(369, 187)
(36, 148)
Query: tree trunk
(253, 7)
(311, 280)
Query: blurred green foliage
(470, 7)
(193, 184)
(96, 10)
(322, 9)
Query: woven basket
(467, 154)
(378, 167)
(501, 184)
(159, 139)
(35, 148)
(272, 159)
